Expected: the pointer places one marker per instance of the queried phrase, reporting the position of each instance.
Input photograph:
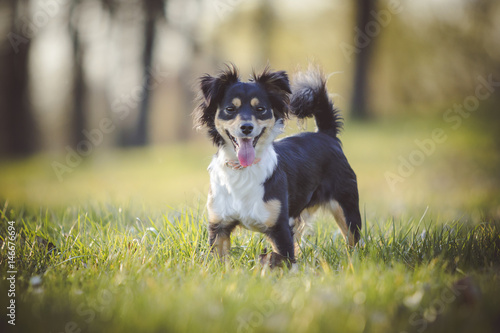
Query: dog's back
(317, 171)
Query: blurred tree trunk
(189, 70)
(185, 127)
(18, 126)
(79, 86)
(265, 26)
(153, 10)
(362, 62)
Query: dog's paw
(273, 260)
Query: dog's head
(243, 117)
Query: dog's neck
(264, 164)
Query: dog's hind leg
(297, 225)
(301, 225)
(348, 219)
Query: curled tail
(310, 98)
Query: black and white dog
(273, 186)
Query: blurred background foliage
(79, 79)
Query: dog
(267, 185)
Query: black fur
(312, 169)
(212, 90)
(278, 88)
(316, 172)
(310, 98)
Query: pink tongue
(246, 154)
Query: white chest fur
(237, 195)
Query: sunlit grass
(113, 270)
(120, 245)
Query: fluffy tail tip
(308, 89)
(310, 99)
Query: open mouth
(245, 147)
(237, 145)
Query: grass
(121, 246)
(113, 271)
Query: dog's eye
(230, 109)
(260, 109)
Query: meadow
(120, 244)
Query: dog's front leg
(219, 235)
(219, 230)
(281, 238)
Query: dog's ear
(277, 86)
(211, 92)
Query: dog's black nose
(246, 128)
